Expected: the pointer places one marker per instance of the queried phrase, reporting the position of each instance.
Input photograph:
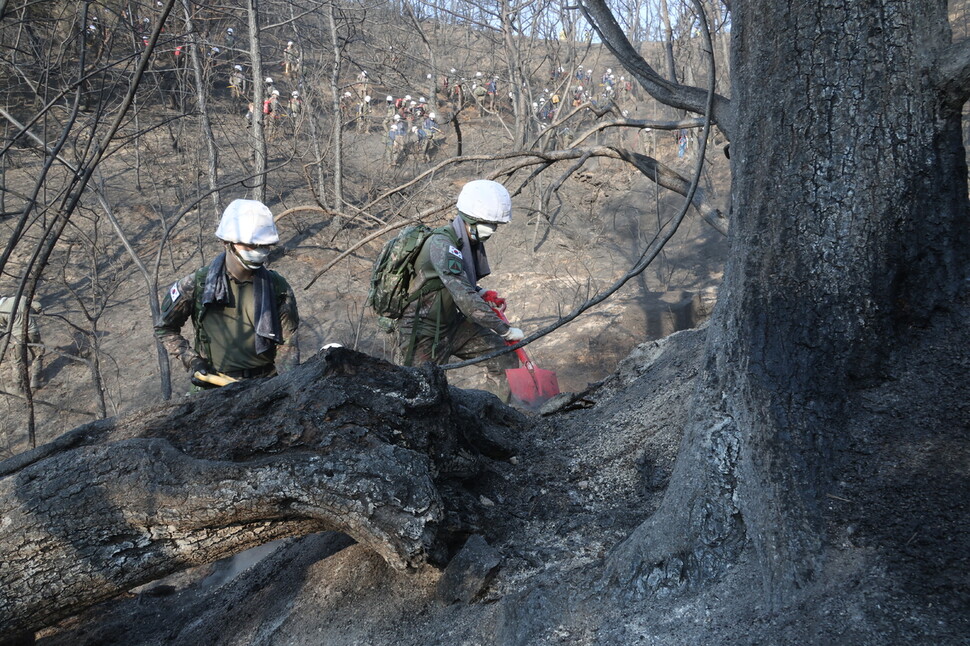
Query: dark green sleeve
(177, 308)
(447, 262)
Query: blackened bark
(850, 223)
(344, 442)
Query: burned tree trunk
(345, 442)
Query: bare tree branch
(684, 97)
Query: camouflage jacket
(440, 312)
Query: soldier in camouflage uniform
(455, 320)
(245, 316)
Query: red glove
(492, 297)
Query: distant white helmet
(397, 117)
(414, 102)
(363, 73)
(478, 73)
(238, 68)
(453, 70)
(346, 93)
(295, 93)
(215, 50)
(579, 87)
(389, 98)
(229, 30)
(485, 201)
(422, 100)
(429, 76)
(367, 99)
(248, 222)
(269, 80)
(276, 92)
(609, 70)
(407, 97)
(289, 44)
(432, 116)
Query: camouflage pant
(467, 341)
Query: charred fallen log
(344, 442)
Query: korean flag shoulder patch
(174, 292)
(454, 251)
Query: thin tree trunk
(202, 98)
(338, 126)
(258, 125)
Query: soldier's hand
(514, 334)
(198, 364)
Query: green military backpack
(393, 272)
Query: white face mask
(251, 258)
(483, 231)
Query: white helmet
(485, 201)
(363, 72)
(432, 116)
(422, 100)
(414, 102)
(397, 117)
(238, 68)
(295, 93)
(229, 30)
(269, 79)
(407, 97)
(453, 70)
(346, 93)
(389, 98)
(276, 92)
(429, 76)
(289, 44)
(248, 222)
(609, 70)
(367, 99)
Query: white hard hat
(485, 201)
(229, 29)
(367, 99)
(238, 68)
(431, 115)
(295, 93)
(364, 72)
(609, 70)
(269, 79)
(478, 73)
(346, 93)
(248, 222)
(397, 117)
(429, 76)
(579, 87)
(407, 97)
(276, 92)
(414, 102)
(390, 98)
(453, 70)
(422, 100)
(289, 43)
